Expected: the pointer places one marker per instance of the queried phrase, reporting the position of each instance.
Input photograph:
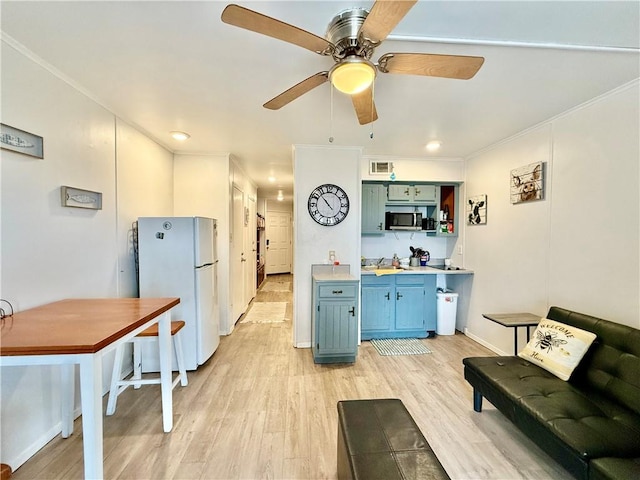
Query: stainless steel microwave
(403, 221)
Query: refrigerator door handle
(204, 265)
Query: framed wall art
(78, 198)
(20, 141)
(477, 210)
(527, 183)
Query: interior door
(238, 259)
(252, 251)
(278, 242)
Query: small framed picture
(20, 141)
(527, 183)
(78, 198)
(477, 210)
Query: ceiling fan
(351, 38)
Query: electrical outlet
(459, 249)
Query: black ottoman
(380, 439)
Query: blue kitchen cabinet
(376, 306)
(398, 306)
(373, 200)
(334, 320)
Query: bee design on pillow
(547, 340)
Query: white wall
(579, 247)
(409, 169)
(50, 252)
(145, 189)
(202, 188)
(313, 166)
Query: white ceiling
(173, 65)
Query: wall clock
(328, 204)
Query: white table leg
(68, 397)
(164, 343)
(91, 395)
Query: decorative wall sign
(477, 210)
(527, 183)
(78, 198)
(20, 141)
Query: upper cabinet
(437, 203)
(373, 201)
(448, 212)
(423, 194)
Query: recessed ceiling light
(180, 136)
(272, 179)
(434, 145)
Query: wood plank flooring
(261, 409)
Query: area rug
(276, 287)
(265, 312)
(399, 346)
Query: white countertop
(418, 270)
(332, 273)
(334, 277)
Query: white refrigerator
(177, 258)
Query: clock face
(328, 205)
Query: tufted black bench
(378, 439)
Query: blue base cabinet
(334, 321)
(398, 306)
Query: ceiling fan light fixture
(352, 75)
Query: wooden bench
(380, 439)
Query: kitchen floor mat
(399, 346)
(265, 312)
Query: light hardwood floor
(260, 408)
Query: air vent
(380, 168)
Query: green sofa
(589, 424)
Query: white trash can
(447, 306)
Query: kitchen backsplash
(399, 242)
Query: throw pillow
(557, 347)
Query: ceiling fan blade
(364, 106)
(297, 91)
(383, 17)
(432, 65)
(256, 22)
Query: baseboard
(491, 347)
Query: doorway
(278, 243)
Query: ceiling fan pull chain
(373, 94)
(331, 115)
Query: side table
(514, 320)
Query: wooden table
(81, 331)
(514, 320)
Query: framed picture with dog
(527, 183)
